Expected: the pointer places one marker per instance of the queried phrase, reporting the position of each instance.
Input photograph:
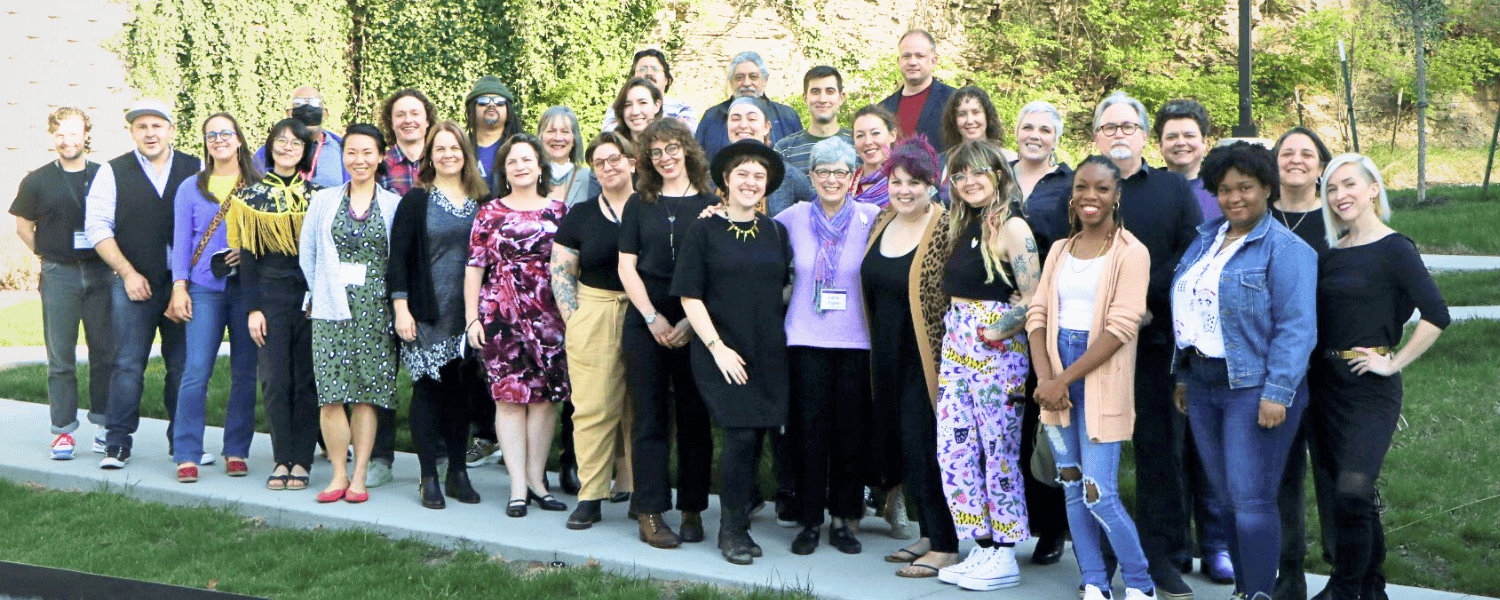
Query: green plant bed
(1475, 288)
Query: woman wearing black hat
(730, 275)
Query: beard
(1120, 153)
(70, 152)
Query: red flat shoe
(187, 474)
(237, 467)
(332, 495)
(356, 497)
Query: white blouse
(1195, 299)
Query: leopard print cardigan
(926, 288)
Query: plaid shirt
(401, 173)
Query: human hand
(406, 326)
(257, 325)
(475, 333)
(714, 209)
(180, 309)
(1052, 395)
(662, 331)
(681, 333)
(232, 258)
(730, 364)
(1271, 414)
(1383, 365)
(1179, 397)
(136, 287)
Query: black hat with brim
(774, 172)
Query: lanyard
(88, 183)
(308, 174)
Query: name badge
(833, 300)
(81, 242)
(352, 273)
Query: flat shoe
(356, 497)
(236, 467)
(331, 496)
(930, 571)
(187, 474)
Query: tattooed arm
(565, 279)
(1019, 247)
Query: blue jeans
(135, 325)
(1244, 463)
(212, 313)
(73, 292)
(1099, 467)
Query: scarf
(830, 232)
(872, 189)
(267, 217)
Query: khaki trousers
(602, 410)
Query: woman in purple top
(206, 296)
(828, 347)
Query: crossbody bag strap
(212, 227)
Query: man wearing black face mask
(327, 163)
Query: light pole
(1246, 126)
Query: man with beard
(328, 161)
(491, 116)
(747, 77)
(823, 92)
(918, 105)
(75, 284)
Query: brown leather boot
(692, 527)
(654, 531)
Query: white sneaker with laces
(1092, 592)
(377, 474)
(951, 573)
(62, 447)
(998, 572)
(1135, 594)
(100, 440)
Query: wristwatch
(651, 318)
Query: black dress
(740, 278)
(896, 368)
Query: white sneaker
(100, 441)
(1135, 594)
(208, 459)
(951, 573)
(1092, 592)
(62, 447)
(377, 474)
(895, 515)
(1000, 571)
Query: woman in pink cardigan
(1082, 326)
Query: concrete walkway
(1451, 262)
(394, 510)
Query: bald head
(307, 107)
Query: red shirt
(910, 112)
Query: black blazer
(930, 122)
(407, 269)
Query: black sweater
(407, 270)
(1159, 209)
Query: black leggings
(440, 416)
(829, 403)
(737, 465)
(924, 485)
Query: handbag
(1043, 463)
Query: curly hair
(1074, 226)
(1251, 160)
(55, 119)
(992, 129)
(648, 180)
(386, 126)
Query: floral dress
(523, 348)
(354, 360)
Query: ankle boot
(585, 515)
(654, 531)
(734, 537)
(459, 487)
(691, 530)
(432, 495)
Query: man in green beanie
(492, 116)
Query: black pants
(482, 413)
(1290, 502)
(567, 455)
(1158, 453)
(385, 436)
(286, 375)
(924, 485)
(1045, 506)
(439, 416)
(654, 373)
(829, 403)
(737, 465)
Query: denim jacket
(1267, 305)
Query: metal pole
(1297, 92)
(1349, 96)
(1484, 192)
(1246, 127)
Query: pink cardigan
(1120, 304)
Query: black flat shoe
(806, 541)
(545, 502)
(1049, 550)
(619, 497)
(432, 495)
(842, 539)
(459, 488)
(585, 515)
(516, 508)
(567, 479)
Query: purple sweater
(1206, 201)
(842, 329)
(193, 213)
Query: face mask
(311, 116)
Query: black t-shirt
(587, 231)
(654, 233)
(53, 198)
(964, 274)
(1366, 294)
(1307, 225)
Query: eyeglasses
(647, 69)
(670, 150)
(214, 136)
(834, 173)
(1127, 128)
(751, 76)
(490, 100)
(312, 101)
(960, 178)
(612, 160)
(287, 143)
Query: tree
(1422, 18)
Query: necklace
(744, 233)
(1289, 225)
(1087, 263)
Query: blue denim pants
(1100, 467)
(73, 293)
(213, 312)
(1244, 463)
(135, 325)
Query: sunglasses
(490, 101)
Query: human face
(975, 187)
(1243, 199)
(493, 109)
(361, 157)
(1095, 195)
(152, 135)
(669, 158)
(447, 154)
(1120, 145)
(908, 194)
(872, 140)
(747, 123)
(221, 140)
(831, 181)
(1298, 163)
(651, 69)
(1351, 194)
(824, 99)
(612, 167)
(917, 60)
(746, 79)
(1182, 145)
(557, 140)
(746, 184)
(640, 109)
(971, 119)
(409, 119)
(70, 138)
(1035, 137)
(522, 167)
(287, 151)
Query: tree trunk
(1418, 29)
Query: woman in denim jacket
(1243, 311)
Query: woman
(747, 120)
(875, 130)
(572, 182)
(344, 250)
(828, 349)
(1082, 326)
(969, 115)
(429, 248)
(1300, 158)
(1369, 281)
(651, 64)
(1244, 320)
(586, 286)
(672, 190)
(902, 277)
(265, 224)
(206, 296)
(984, 366)
(513, 321)
(638, 104)
(730, 277)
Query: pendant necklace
(743, 233)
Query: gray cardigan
(318, 256)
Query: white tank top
(1077, 283)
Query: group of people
(907, 308)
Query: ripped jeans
(1090, 473)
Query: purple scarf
(873, 189)
(830, 232)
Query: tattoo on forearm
(1027, 270)
(565, 281)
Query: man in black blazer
(918, 104)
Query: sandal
(930, 571)
(277, 482)
(294, 482)
(900, 556)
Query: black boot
(806, 541)
(432, 495)
(459, 487)
(585, 515)
(734, 536)
(567, 478)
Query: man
(823, 93)
(1181, 132)
(328, 160)
(75, 284)
(491, 116)
(1158, 208)
(918, 105)
(405, 118)
(650, 64)
(128, 219)
(747, 77)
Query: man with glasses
(1159, 209)
(747, 77)
(650, 64)
(823, 93)
(918, 104)
(491, 115)
(328, 161)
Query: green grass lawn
(1460, 224)
(1478, 288)
(21, 324)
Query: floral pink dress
(523, 351)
